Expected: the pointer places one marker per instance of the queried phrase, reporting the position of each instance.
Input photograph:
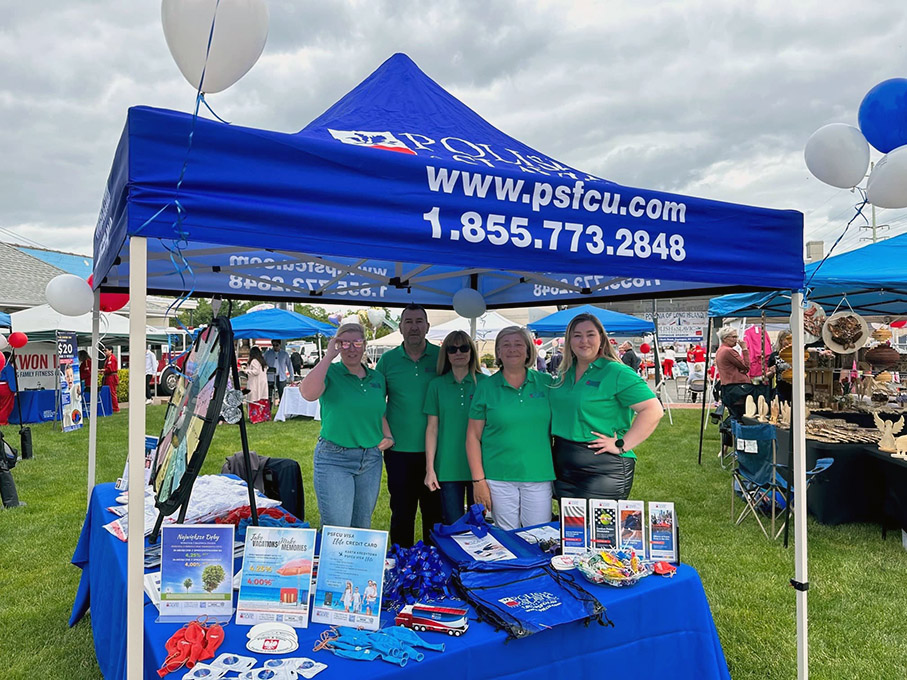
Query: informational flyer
(70, 382)
(350, 577)
(196, 572)
(574, 536)
(276, 576)
(662, 531)
(602, 524)
(632, 526)
(484, 549)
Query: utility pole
(875, 228)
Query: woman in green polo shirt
(354, 431)
(447, 407)
(600, 410)
(508, 440)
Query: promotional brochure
(350, 577)
(602, 524)
(632, 526)
(574, 535)
(276, 576)
(70, 382)
(662, 531)
(484, 549)
(196, 571)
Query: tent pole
(705, 390)
(798, 432)
(93, 390)
(135, 568)
(472, 328)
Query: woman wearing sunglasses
(508, 438)
(447, 407)
(354, 431)
(600, 410)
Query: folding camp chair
(694, 387)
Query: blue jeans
(347, 482)
(452, 494)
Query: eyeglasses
(346, 344)
(453, 349)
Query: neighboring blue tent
(278, 324)
(401, 193)
(5, 321)
(872, 280)
(614, 322)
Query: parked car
(311, 359)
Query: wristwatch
(619, 443)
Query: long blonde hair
(458, 338)
(605, 349)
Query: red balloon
(110, 302)
(539, 341)
(17, 340)
(644, 348)
(2, 361)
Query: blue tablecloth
(39, 406)
(663, 629)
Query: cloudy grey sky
(711, 98)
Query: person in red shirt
(7, 392)
(112, 377)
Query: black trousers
(406, 485)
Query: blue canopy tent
(5, 321)
(614, 322)
(281, 324)
(872, 280)
(400, 193)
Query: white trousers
(520, 504)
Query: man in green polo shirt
(408, 369)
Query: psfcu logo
(538, 601)
(375, 140)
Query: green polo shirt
(449, 400)
(600, 401)
(351, 407)
(407, 383)
(516, 441)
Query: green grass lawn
(857, 601)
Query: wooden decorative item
(775, 411)
(901, 446)
(762, 409)
(883, 356)
(883, 377)
(882, 334)
(889, 428)
(784, 420)
(750, 407)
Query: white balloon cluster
(376, 317)
(69, 295)
(240, 33)
(469, 303)
(838, 154)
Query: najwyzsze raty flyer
(350, 577)
(276, 576)
(196, 571)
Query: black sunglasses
(453, 349)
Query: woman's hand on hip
(604, 444)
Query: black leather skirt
(583, 474)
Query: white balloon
(350, 319)
(837, 154)
(376, 317)
(4, 343)
(69, 295)
(469, 303)
(239, 37)
(887, 186)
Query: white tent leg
(135, 569)
(93, 391)
(472, 328)
(798, 429)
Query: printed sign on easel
(70, 384)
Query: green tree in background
(187, 584)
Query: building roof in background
(25, 272)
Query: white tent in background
(487, 327)
(41, 323)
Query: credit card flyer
(574, 539)
(196, 571)
(662, 531)
(350, 577)
(276, 576)
(632, 527)
(602, 524)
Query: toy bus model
(423, 617)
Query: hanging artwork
(192, 414)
